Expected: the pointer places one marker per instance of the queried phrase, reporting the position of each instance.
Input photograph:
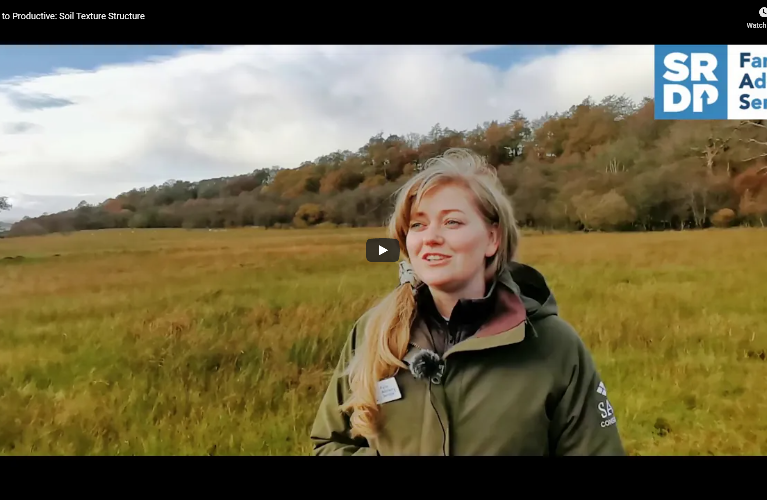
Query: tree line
(4, 205)
(606, 166)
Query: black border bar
(391, 23)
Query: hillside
(599, 166)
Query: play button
(382, 250)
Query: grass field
(220, 342)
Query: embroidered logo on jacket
(605, 409)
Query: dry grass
(197, 342)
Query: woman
(468, 355)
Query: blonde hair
(387, 331)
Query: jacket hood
(523, 280)
(530, 285)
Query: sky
(89, 122)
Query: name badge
(387, 391)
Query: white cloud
(230, 110)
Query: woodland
(600, 166)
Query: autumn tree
(751, 186)
(723, 218)
(608, 211)
(309, 215)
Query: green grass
(221, 342)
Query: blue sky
(25, 60)
(28, 60)
(509, 55)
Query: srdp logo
(691, 82)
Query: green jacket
(516, 380)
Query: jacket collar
(465, 312)
(496, 319)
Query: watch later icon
(763, 12)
